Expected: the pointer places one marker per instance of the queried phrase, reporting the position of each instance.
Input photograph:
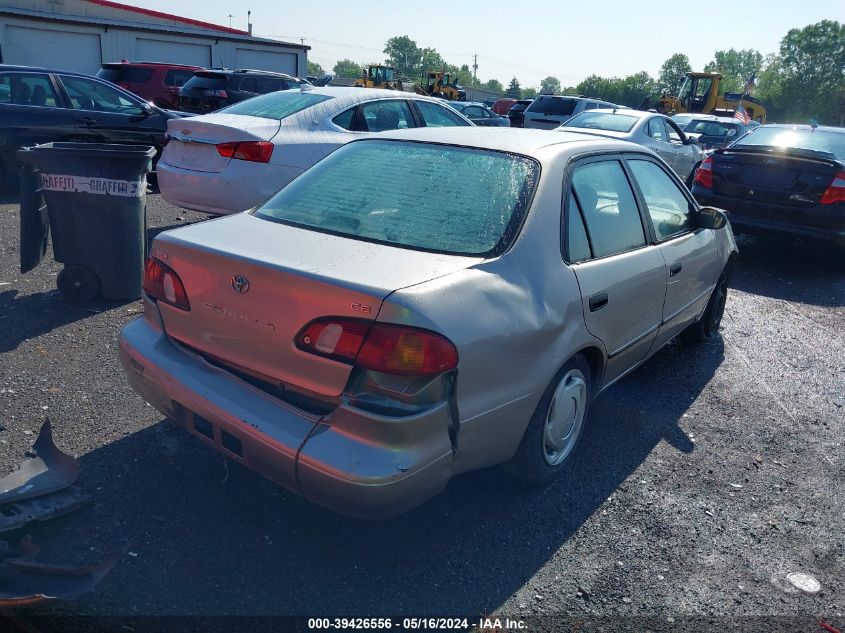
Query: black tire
(707, 326)
(530, 463)
(78, 283)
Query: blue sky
(529, 39)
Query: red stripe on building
(167, 16)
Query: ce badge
(240, 284)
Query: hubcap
(565, 417)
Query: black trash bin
(95, 194)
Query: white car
(236, 158)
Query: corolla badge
(240, 284)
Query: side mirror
(147, 109)
(711, 218)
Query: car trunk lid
(193, 140)
(253, 286)
(764, 175)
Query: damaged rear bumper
(352, 461)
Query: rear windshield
(553, 105)
(421, 196)
(602, 121)
(127, 75)
(814, 140)
(712, 128)
(276, 105)
(217, 82)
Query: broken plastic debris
(737, 486)
(26, 582)
(804, 582)
(49, 471)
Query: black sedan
(780, 179)
(39, 105)
(517, 112)
(480, 114)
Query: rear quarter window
(441, 198)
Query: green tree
(494, 85)
(514, 91)
(812, 65)
(430, 59)
(315, 69)
(595, 86)
(529, 93)
(550, 86)
(348, 69)
(672, 73)
(736, 67)
(404, 55)
(569, 90)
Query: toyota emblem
(240, 284)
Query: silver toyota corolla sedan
(424, 303)
(650, 129)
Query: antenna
(230, 20)
(249, 21)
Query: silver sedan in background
(361, 344)
(650, 129)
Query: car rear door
(658, 136)
(102, 112)
(689, 252)
(622, 278)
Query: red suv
(153, 81)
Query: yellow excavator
(440, 84)
(378, 76)
(700, 93)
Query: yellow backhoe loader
(700, 92)
(440, 84)
(378, 76)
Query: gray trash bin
(95, 194)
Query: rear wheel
(708, 325)
(556, 426)
(78, 283)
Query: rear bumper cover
(351, 461)
(745, 217)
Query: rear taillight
(163, 284)
(254, 151)
(381, 347)
(836, 191)
(704, 174)
(213, 92)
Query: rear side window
(26, 89)
(275, 105)
(553, 105)
(440, 198)
(269, 84)
(380, 116)
(126, 74)
(609, 207)
(434, 115)
(668, 208)
(177, 78)
(656, 129)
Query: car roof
(166, 64)
(640, 114)
(367, 94)
(514, 140)
(39, 69)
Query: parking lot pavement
(703, 479)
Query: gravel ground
(703, 479)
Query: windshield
(814, 140)
(417, 195)
(552, 105)
(712, 128)
(602, 121)
(276, 105)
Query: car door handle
(675, 268)
(598, 301)
(87, 120)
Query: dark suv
(153, 81)
(210, 90)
